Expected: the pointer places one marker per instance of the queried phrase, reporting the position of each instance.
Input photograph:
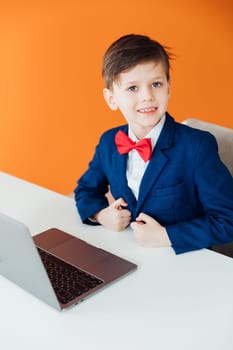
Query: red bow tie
(125, 145)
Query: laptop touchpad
(80, 253)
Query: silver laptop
(55, 266)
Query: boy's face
(141, 93)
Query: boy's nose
(147, 95)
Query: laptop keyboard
(68, 281)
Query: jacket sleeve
(214, 186)
(92, 186)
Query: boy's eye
(157, 84)
(132, 88)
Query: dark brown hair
(130, 50)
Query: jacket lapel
(158, 161)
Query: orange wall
(51, 106)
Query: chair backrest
(224, 137)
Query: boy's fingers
(144, 218)
(118, 203)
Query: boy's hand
(149, 233)
(114, 217)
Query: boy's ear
(109, 98)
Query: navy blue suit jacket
(186, 187)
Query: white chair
(224, 137)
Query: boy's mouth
(147, 110)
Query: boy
(166, 178)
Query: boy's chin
(141, 131)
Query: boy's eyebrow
(129, 82)
(136, 81)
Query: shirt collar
(153, 134)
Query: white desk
(180, 302)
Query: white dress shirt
(136, 166)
